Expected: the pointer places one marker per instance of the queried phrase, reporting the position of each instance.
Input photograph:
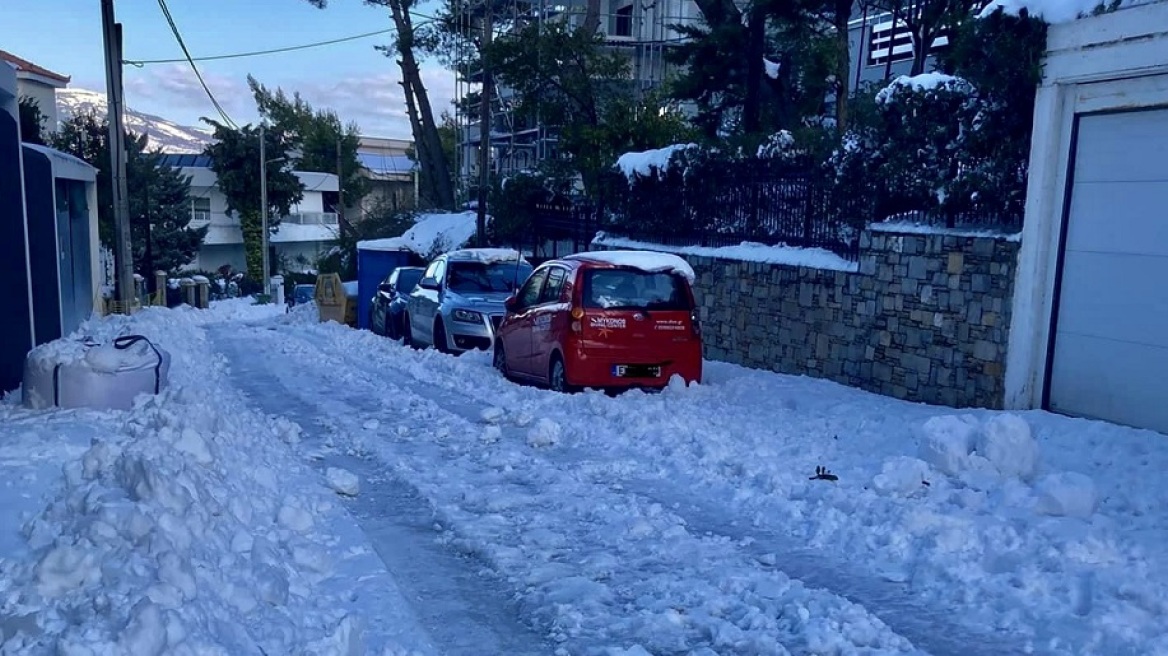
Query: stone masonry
(924, 319)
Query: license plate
(635, 371)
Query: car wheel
(500, 359)
(558, 376)
(440, 337)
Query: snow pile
(187, 526)
(649, 261)
(920, 228)
(924, 82)
(650, 162)
(1067, 494)
(957, 445)
(815, 258)
(431, 234)
(343, 482)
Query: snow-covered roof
(651, 261)
(1056, 11)
(431, 232)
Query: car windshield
(614, 289)
(408, 279)
(470, 277)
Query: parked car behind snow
(388, 309)
(458, 304)
(612, 319)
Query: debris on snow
(822, 474)
(343, 482)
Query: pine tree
(159, 196)
(235, 158)
(32, 121)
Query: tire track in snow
(724, 565)
(928, 628)
(463, 611)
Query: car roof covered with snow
(484, 255)
(648, 261)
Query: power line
(255, 53)
(191, 61)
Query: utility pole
(123, 256)
(340, 192)
(267, 281)
(484, 125)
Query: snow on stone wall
(925, 318)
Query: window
(201, 208)
(407, 279)
(623, 23)
(887, 42)
(554, 287)
(529, 294)
(628, 289)
(471, 277)
(434, 270)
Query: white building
(301, 238)
(38, 83)
(1089, 328)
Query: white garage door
(1110, 357)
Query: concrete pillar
(159, 288)
(188, 292)
(276, 293)
(203, 295)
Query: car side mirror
(511, 304)
(386, 288)
(428, 283)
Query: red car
(611, 319)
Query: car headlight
(467, 316)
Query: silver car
(458, 304)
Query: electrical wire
(256, 53)
(191, 61)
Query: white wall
(46, 97)
(1110, 62)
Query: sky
(352, 78)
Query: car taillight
(696, 322)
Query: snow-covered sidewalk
(495, 518)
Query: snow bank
(650, 261)
(432, 233)
(187, 525)
(650, 162)
(815, 258)
(906, 227)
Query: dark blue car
(388, 307)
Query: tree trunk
(755, 49)
(592, 17)
(842, 14)
(428, 142)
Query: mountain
(170, 137)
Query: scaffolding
(643, 30)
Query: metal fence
(744, 202)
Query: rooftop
(30, 69)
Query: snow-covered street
(488, 517)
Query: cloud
(176, 86)
(375, 102)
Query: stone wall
(925, 318)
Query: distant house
(37, 83)
(392, 174)
(302, 237)
(881, 48)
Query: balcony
(311, 218)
